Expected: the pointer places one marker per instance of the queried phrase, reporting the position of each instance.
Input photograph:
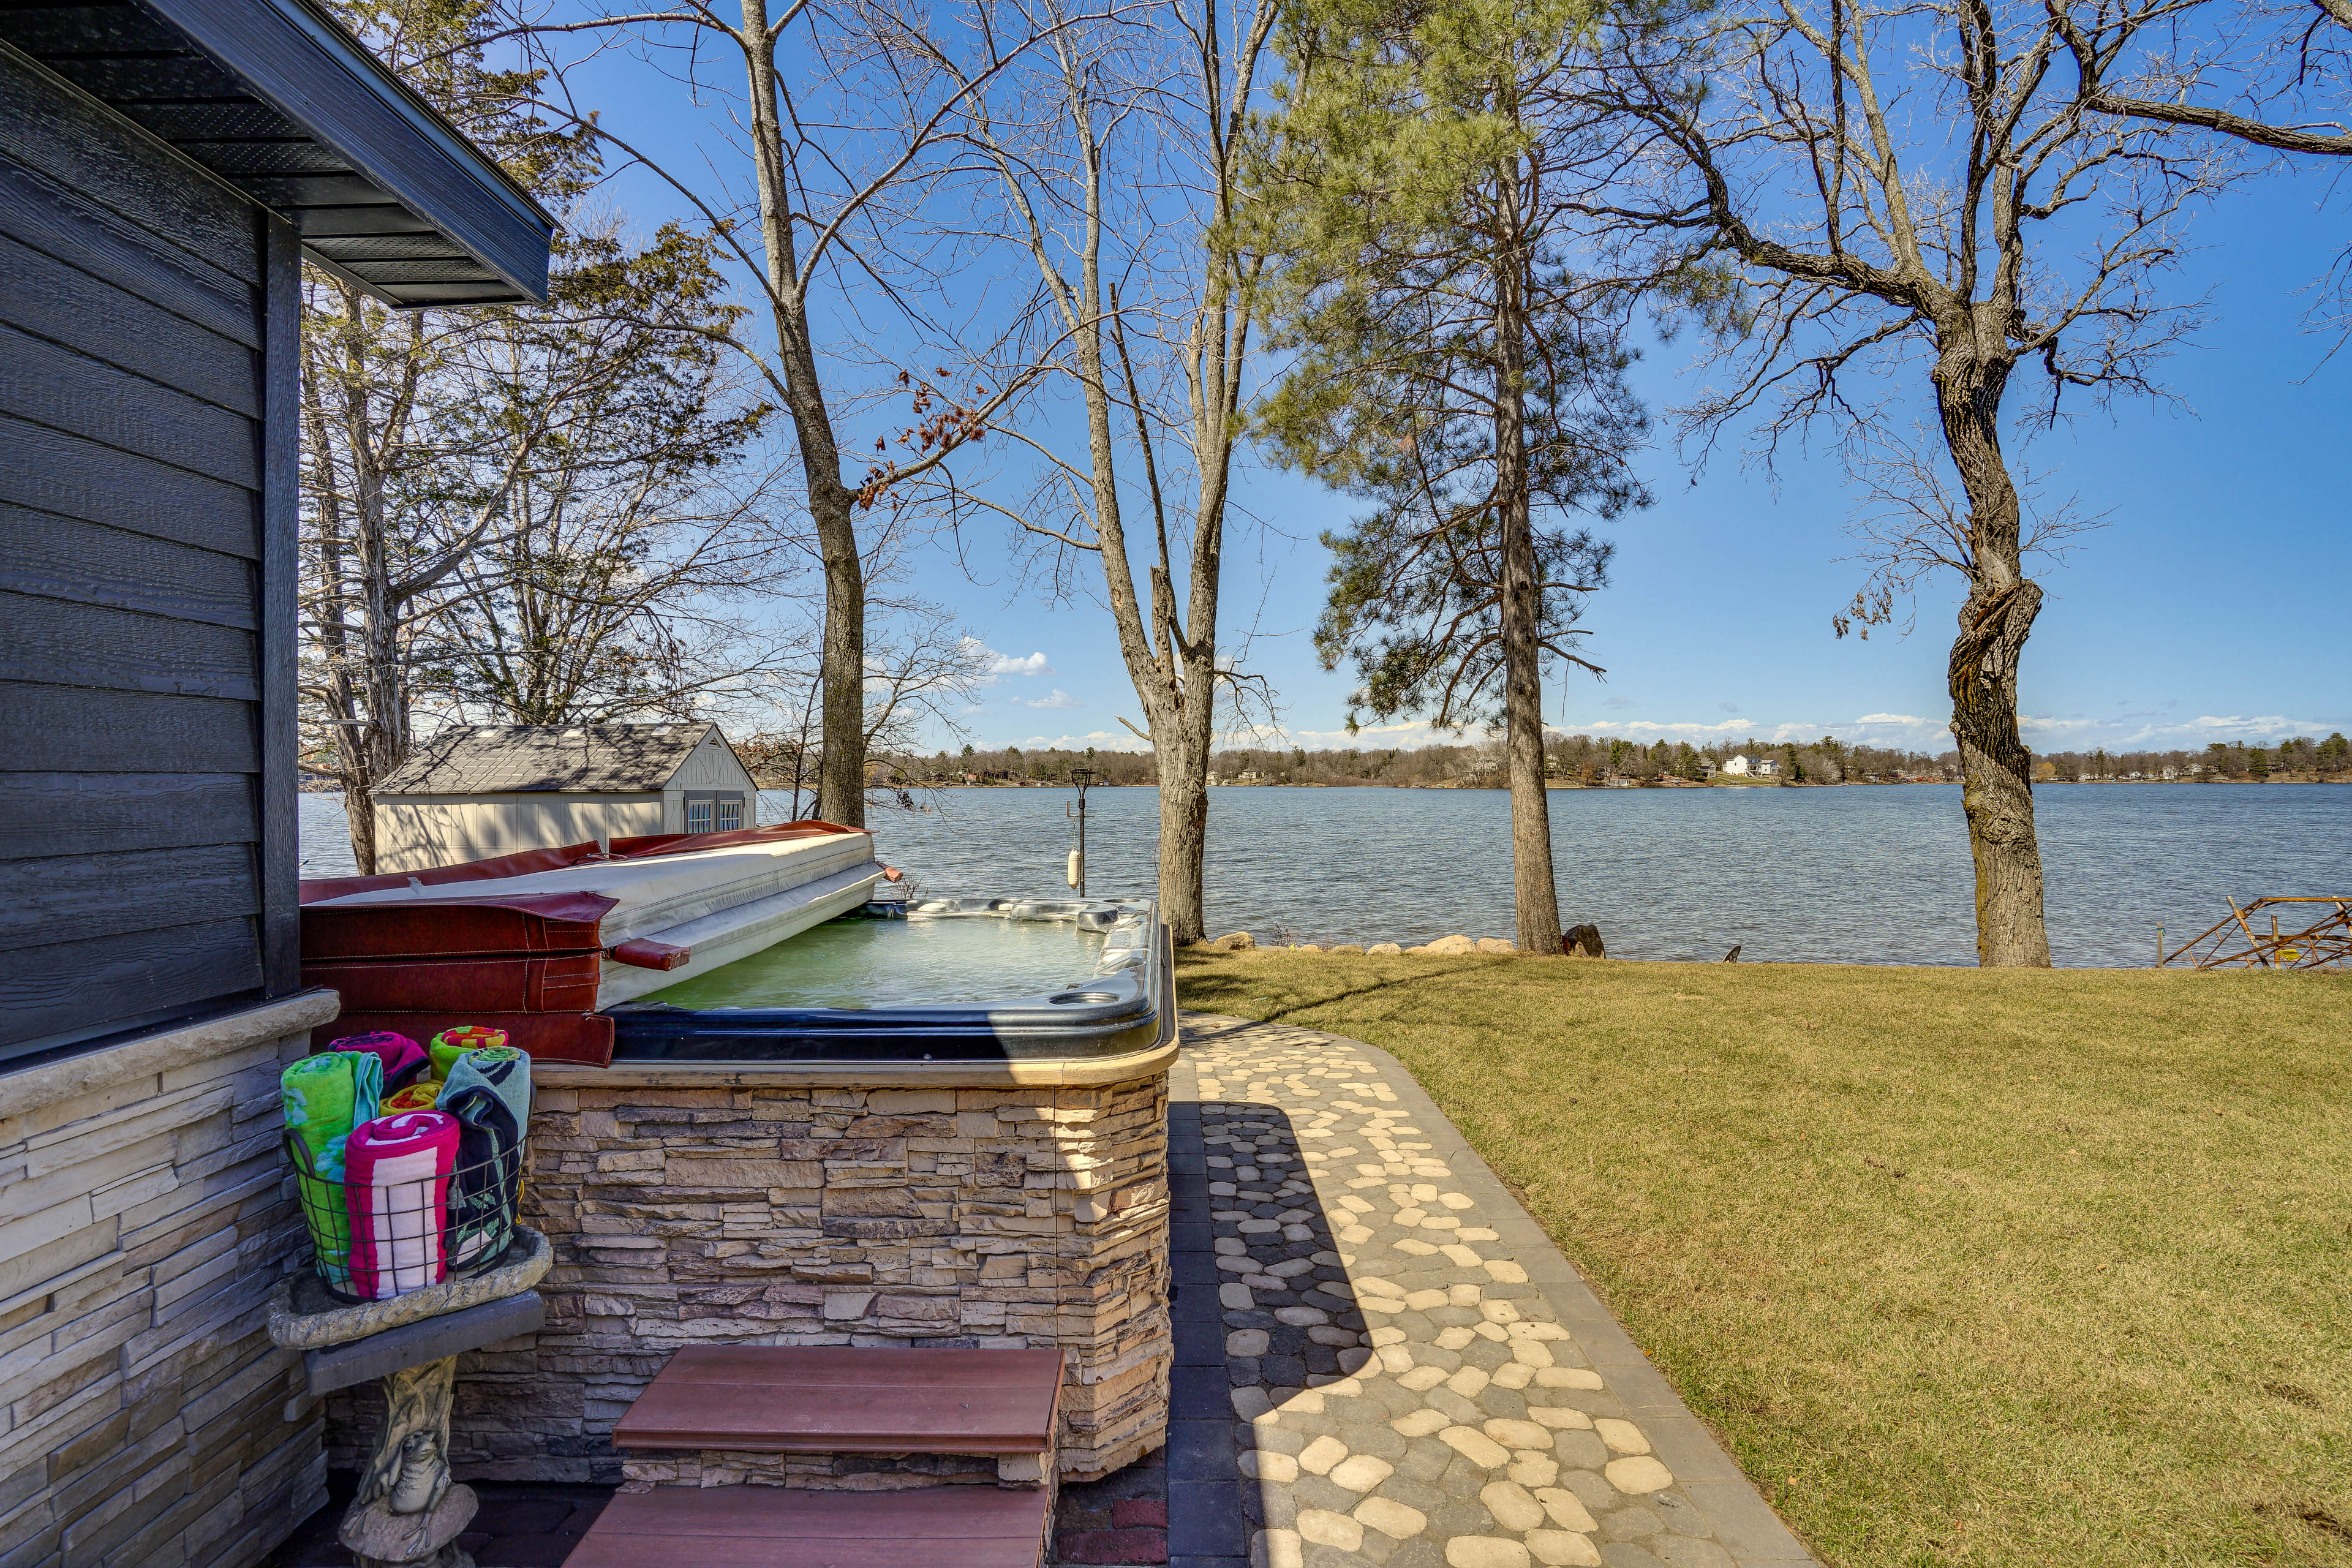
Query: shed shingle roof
(580, 759)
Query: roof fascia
(309, 69)
(740, 762)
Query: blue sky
(2211, 608)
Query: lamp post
(1080, 779)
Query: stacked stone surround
(745, 1207)
(144, 1414)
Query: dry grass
(1968, 1267)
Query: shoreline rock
(1577, 942)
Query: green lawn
(1966, 1267)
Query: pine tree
(1451, 370)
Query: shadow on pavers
(1236, 1329)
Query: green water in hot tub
(923, 961)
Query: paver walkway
(1379, 1358)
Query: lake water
(1853, 875)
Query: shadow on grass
(1199, 989)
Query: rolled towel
(452, 1043)
(403, 1057)
(397, 1188)
(325, 1097)
(417, 1096)
(489, 1092)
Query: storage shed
(165, 168)
(472, 793)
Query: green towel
(450, 1044)
(326, 1096)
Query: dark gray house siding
(149, 986)
(147, 559)
(166, 167)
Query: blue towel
(489, 1092)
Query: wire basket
(407, 1235)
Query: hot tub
(950, 1128)
(939, 981)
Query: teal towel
(326, 1096)
(489, 1092)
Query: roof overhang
(274, 96)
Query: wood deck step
(775, 1527)
(839, 1399)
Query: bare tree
(836, 148)
(921, 667)
(2262, 74)
(1869, 201)
(449, 462)
(2269, 74)
(394, 496)
(614, 583)
(1117, 147)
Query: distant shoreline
(309, 786)
(1666, 783)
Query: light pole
(1080, 779)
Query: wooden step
(775, 1527)
(773, 1399)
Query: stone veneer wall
(739, 1213)
(143, 1221)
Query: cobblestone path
(1379, 1358)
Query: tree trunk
(378, 744)
(841, 769)
(359, 810)
(1183, 846)
(1535, 894)
(1996, 770)
(841, 772)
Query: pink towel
(396, 1185)
(403, 1057)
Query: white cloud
(1404, 734)
(994, 665)
(1100, 740)
(2044, 724)
(2208, 727)
(1060, 699)
(1728, 707)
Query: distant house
(472, 793)
(1764, 767)
(1738, 767)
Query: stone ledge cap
(176, 1046)
(1071, 1073)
